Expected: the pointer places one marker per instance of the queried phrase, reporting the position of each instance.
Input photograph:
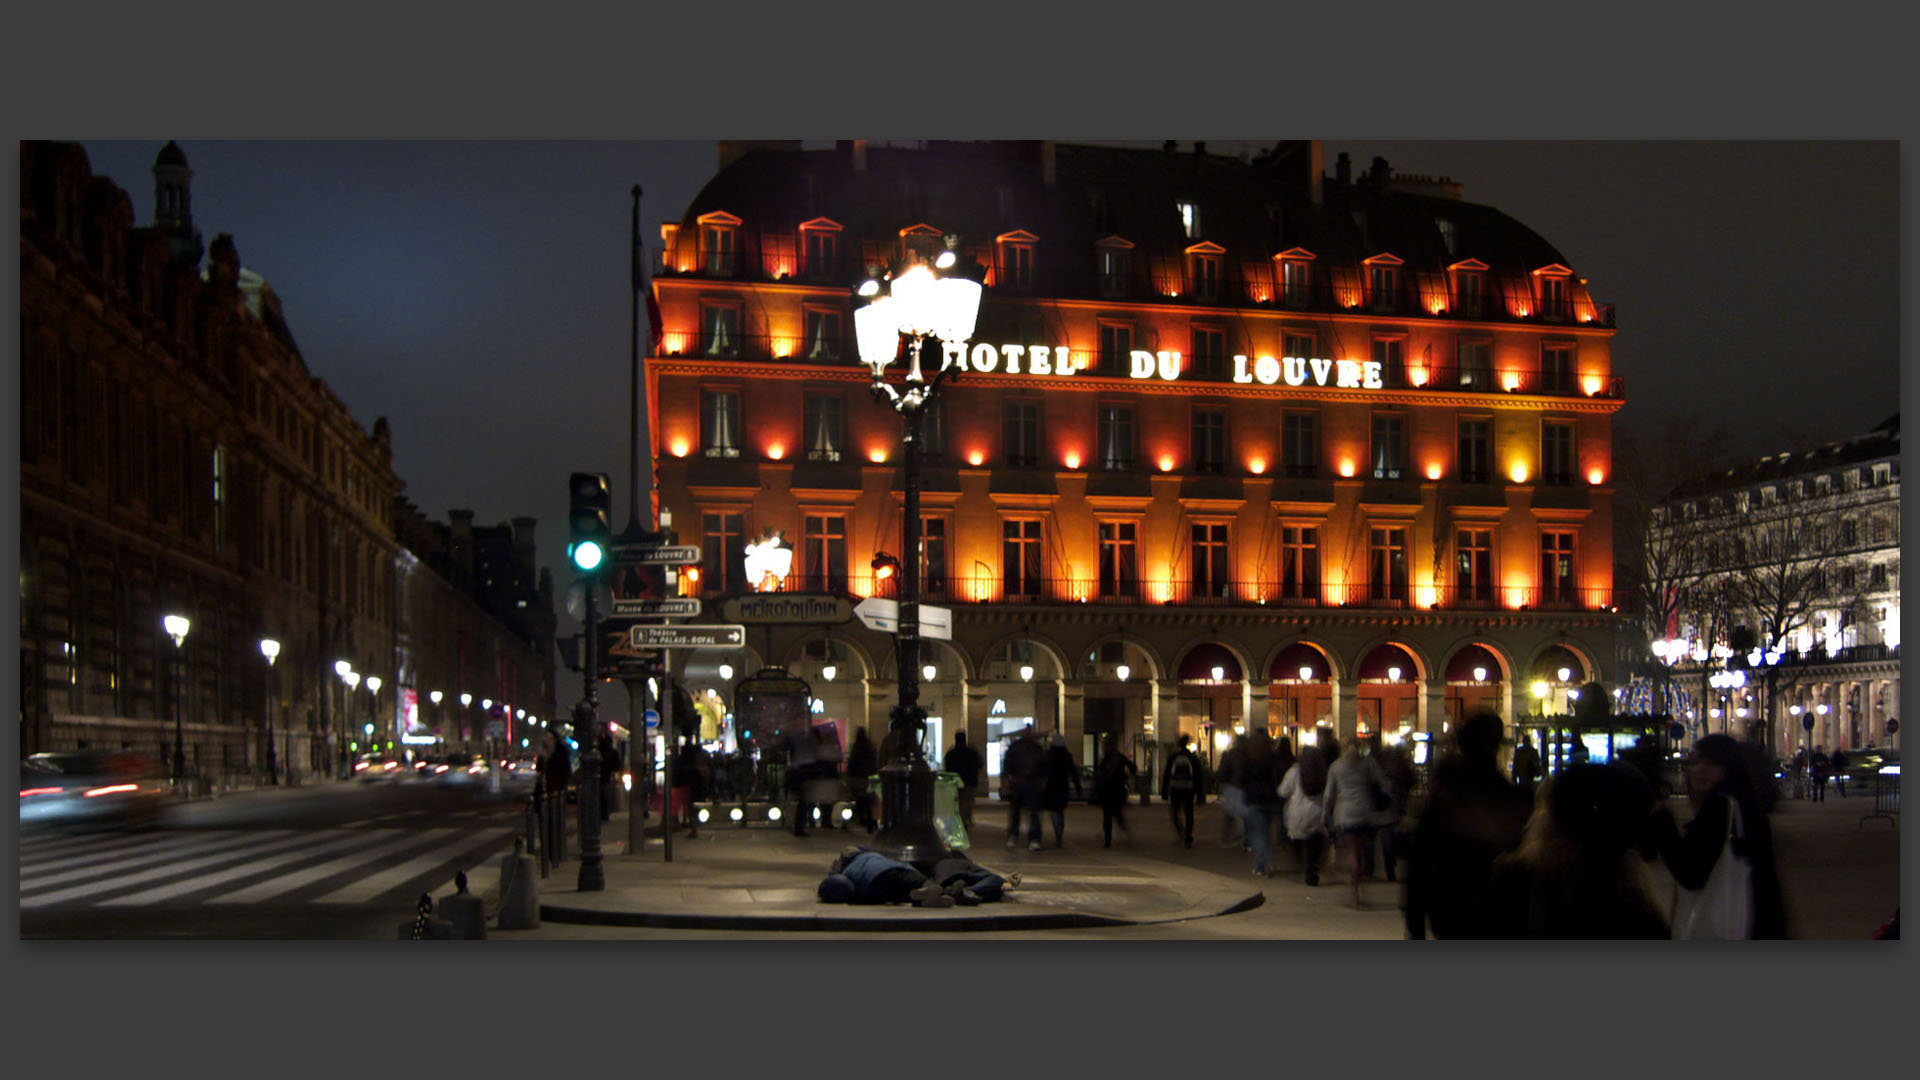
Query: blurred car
(520, 774)
(378, 768)
(1864, 765)
(461, 771)
(92, 787)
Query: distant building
(1234, 440)
(1805, 547)
(177, 456)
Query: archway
(1300, 691)
(1021, 679)
(1388, 684)
(1210, 677)
(1117, 677)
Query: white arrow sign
(879, 613)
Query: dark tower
(173, 204)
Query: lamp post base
(906, 815)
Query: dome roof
(171, 154)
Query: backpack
(1180, 772)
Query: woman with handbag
(1723, 861)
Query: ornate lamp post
(918, 303)
(466, 722)
(177, 627)
(439, 721)
(352, 679)
(270, 649)
(373, 712)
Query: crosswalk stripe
(83, 841)
(289, 882)
(60, 873)
(74, 855)
(246, 869)
(267, 841)
(369, 887)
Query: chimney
(1316, 162)
(1046, 162)
(859, 155)
(1343, 169)
(1379, 174)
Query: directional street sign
(715, 636)
(673, 606)
(654, 554)
(879, 613)
(619, 658)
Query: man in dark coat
(1023, 780)
(1473, 815)
(1180, 784)
(964, 761)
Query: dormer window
(1203, 271)
(1883, 474)
(1296, 268)
(1448, 235)
(923, 241)
(1114, 264)
(1189, 219)
(1383, 282)
(719, 244)
(1769, 496)
(1553, 288)
(1823, 485)
(1469, 288)
(1016, 261)
(820, 250)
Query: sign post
(879, 613)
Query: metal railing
(1886, 798)
(1330, 594)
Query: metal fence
(1886, 799)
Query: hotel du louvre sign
(787, 609)
(1165, 366)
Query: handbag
(1722, 909)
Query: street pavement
(1840, 875)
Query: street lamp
(270, 649)
(373, 710)
(919, 304)
(177, 627)
(352, 679)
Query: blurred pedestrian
(1111, 783)
(1818, 770)
(1260, 788)
(692, 775)
(1303, 787)
(1471, 817)
(1575, 874)
(1396, 764)
(1062, 772)
(863, 761)
(1837, 766)
(1180, 784)
(1723, 861)
(559, 766)
(1354, 800)
(1022, 782)
(964, 761)
(1233, 803)
(819, 779)
(1526, 765)
(609, 772)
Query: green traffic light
(588, 555)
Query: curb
(1063, 920)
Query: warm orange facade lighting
(1256, 465)
(1433, 470)
(975, 458)
(776, 451)
(1591, 384)
(1417, 375)
(1510, 380)
(1346, 467)
(679, 448)
(1166, 462)
(675, 342)
(781, 348)
(1518, 470)
(1596, 476)
(1259, 294)
(1071, 459)
(877, 455)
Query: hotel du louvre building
(1233, 441)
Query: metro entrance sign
(879, 613)
(715, 636)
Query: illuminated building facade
(178, 456)
(1233, 439)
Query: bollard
(519, 901)
(464, 911)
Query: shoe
(1257, 872)
(1033, 845)
(962, 895)
(930, 895)
(1013, 842)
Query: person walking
(1723, 861)
(1352, 811)
(1111, 783)
(863, 760)
(1179, 784)
(1260, 788)
(1233, 803)
(1303, 787)
(692, 773)
(609, 774)
(1061, 772)
(1396, 764)
(1837, 766)
(1526, 765)
(1473, 814)
(964, 761)
(1022, 782)
(1576, 874)
(1819, 773)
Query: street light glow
(270, 649)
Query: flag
(640, 280)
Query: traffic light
(588, 521)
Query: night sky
(476, 293)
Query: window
(1203, 275)
(1383, 286)
(823, 334)
(1293, 282)
(1473, 564)
(1189, 220)
(1475, 460)
(1556, 452)
(1292, 344)
(1556, 369)
(719, 254)
(1476, 363)
(1300, 445)
(1016, 264)
(1556, 566)
(933, 555)
(1877, 577)
(1850, 480)
(826, 541)
(825, 436)
(1020, 558)
(1300, 562)
(1208, 551)
(1849, 578)
(723, 551)
(1390, 354)
(1741, 502)
(1883, 529)
(1769, 496)
(720, 329)
(1209, 351)
(1116, 437)
(933, 432)
(720, 423)
(1554, 302)
(1119, 564)
(1449, 236)
(1115, 265)
(1020, 434)
(1797, 489)
(1883, 474)
(1823, 485)
(1116, 343)
(1389, 446)
(1387, 563)
(1209, 440)
(820, 253)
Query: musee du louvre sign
(1165, 365)
(787, 609)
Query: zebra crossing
(366, 862)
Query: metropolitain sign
(1165, 366)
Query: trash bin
(946, 811)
